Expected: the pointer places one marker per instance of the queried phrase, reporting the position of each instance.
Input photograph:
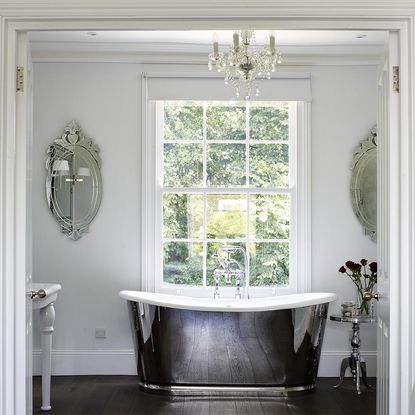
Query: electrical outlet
(100, 333)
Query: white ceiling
(204, 37)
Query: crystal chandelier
(244, 65)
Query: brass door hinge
(20, 79)
(395, 79)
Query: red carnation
(373, 266)
(363, 261)
(342, 269)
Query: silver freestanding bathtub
(198, 345)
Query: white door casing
(23, 211)
(307, 17)
(383, 245)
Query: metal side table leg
(364, 377)
(358, 378)
(343, 367)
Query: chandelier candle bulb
(215, 45)
(236, 42)
(272, 43)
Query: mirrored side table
(355, 362)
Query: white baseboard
(88, 362)
(122, 362)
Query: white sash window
(220, 172)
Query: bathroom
(84, 76)
(96, 78)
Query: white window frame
(151, 227)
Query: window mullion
(204, 194)
(248, 193)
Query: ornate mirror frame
(62, 179)
(363, 183)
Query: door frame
(161, 16)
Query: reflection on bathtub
(197, 345)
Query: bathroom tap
(231, 268)
(217, 273)
(238, 294)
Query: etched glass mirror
(363, 183)
(73, 183)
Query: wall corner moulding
(73, 182)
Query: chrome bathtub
(194, 345)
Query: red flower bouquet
(364, 276)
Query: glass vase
(364, 304)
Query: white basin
(51, 294)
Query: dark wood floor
(119, 395)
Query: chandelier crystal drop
(244, 64)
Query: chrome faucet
(230, 267)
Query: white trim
(12, 378)
(122, 362)
(209, 75)
(264, 9)
(304, 196)
(366, 15)
(168, 53)
(300, 238)
(187, 59)
(147, 183)
(4, 352)
(88, 362)
(198, 50)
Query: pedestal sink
(43, 296)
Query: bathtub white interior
(229, 304)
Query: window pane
(226, 165)
(269, 165)
(269, 263)
(183, 263)
(183, 120)
(226, 216)
(269, 216)
(212, 263)
(226, 122)
(269, 121)
(183, 165)
(182, 216)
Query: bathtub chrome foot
(223, 390)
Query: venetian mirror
(73, 183)
(363, 184)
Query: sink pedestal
(47, 319)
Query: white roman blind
(282, 87)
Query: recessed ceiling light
(92, 33)
(361, 36)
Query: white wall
(343, 111)
(105, 99)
